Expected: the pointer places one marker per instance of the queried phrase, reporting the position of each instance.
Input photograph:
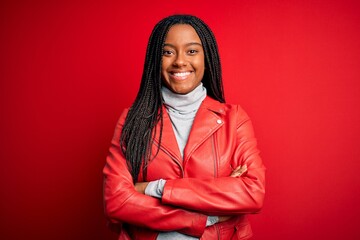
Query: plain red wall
(68, 68)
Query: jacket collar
(213, 105)
(207, 120)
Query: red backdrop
(68, 68)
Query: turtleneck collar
(184, 104)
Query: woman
(183, 164)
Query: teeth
(182, 74)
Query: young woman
(183, 164)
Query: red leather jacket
(197, 185)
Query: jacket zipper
(215, 175)
(214, 154)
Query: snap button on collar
(218, 121)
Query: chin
(178, 91)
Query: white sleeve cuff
(155, 188)
(211, 220)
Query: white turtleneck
(182, 109)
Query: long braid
(213, 76)
(139, 130)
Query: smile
(180, 75)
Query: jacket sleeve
(225, 195)
(124, 204)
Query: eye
(192, 52)
(167, 52)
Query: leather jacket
(197, 185)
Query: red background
(68, 68)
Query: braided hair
(137, 136)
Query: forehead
(182, 34)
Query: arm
(156, 188)
(124, 204)
(225, 195)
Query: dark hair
(146, 112)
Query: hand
(224, 218)
(240, 170)
(140, 187)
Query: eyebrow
(188, 44)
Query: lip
(180, 75)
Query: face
(183, 62)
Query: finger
(239, 171)
(236, 174)
(238, 168)
(244, 168)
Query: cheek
(164, 64)
(163, 69)
(200, 63)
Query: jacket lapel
(208, 119)
(168, 140)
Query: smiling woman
(183, 164)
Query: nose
(180, 60)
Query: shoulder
(121, 121)
(232, 111)
(123, 115)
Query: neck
(184, 103)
